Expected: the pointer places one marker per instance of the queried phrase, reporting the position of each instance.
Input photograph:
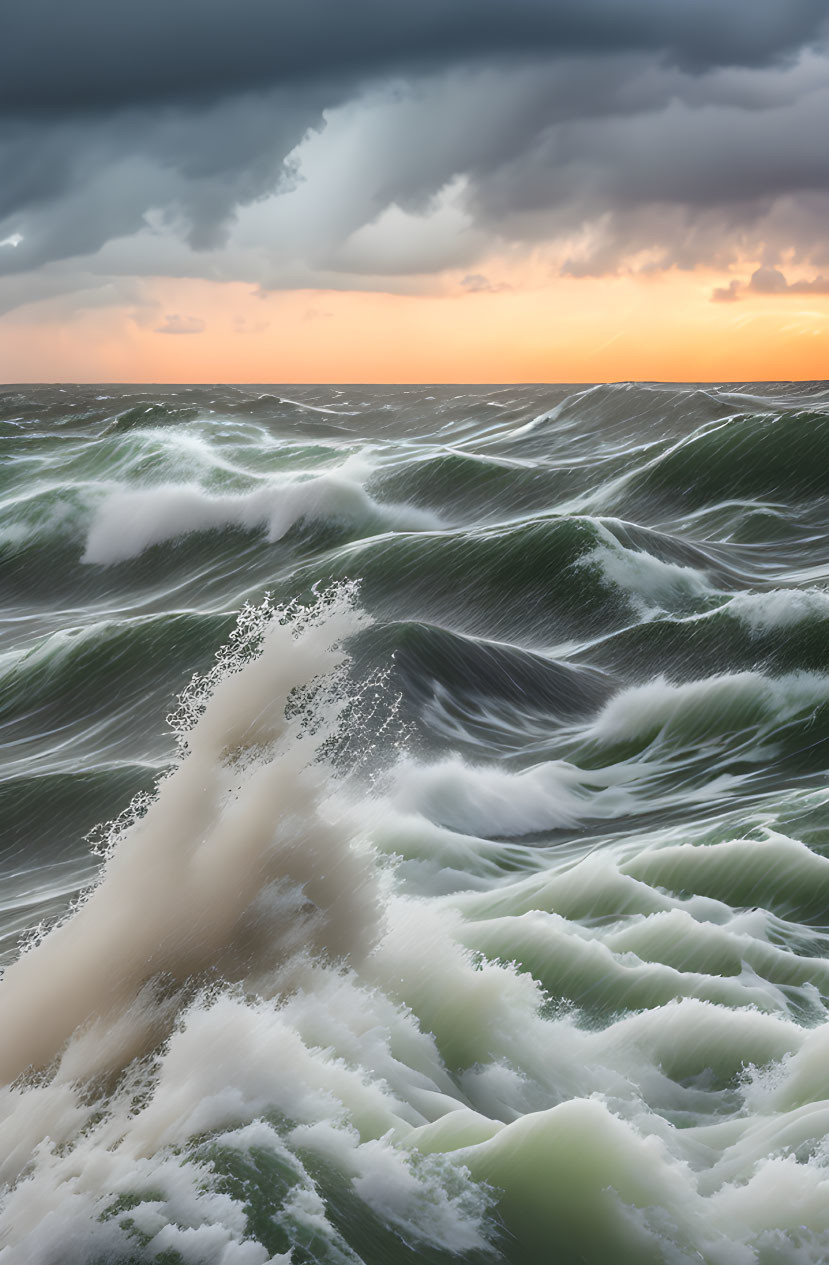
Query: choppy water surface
(473, 902)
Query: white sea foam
(658, 719)
(779, 608)
(706, 708)
(407, 1042)
(648, 581)
(131, 520)
(244, 868)
(244, 840)
(491, 801)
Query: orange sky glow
(660, 327)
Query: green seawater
(415, 824)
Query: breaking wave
(472, 904)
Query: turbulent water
(415, 825)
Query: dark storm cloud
(676, 175)
(76, 183)
(688, 168)
(140, 139)
(95, 54)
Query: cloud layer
(93, 54)
(371, 145)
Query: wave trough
(471, 906)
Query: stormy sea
(415, 825)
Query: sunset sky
(383, 190)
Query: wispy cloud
(479, 283)
(175, 324)
(727, 294)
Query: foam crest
(779, 609)
(649, 582)
(707, 709)
(494, 802)
(235, 866)
(244, 867)
(131, 520)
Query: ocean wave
(652, 583)
(769, 457)
(245, 835)
(493, 924)
(692, 741)
(778, 632)
(608, 406)
(779, 609)
(132, 520)
(438, 667)
(540, 581)
(67, 678)
(696, 708)
(150, 415)
(491, 801)
(472, 483)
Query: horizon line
(340, 382)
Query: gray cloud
(772, 281)
(767, 280)
(479, 283)
(726, 294)
(331, 146)
(94, 54)
(71, 186)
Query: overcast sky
(385, 145)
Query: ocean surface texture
(415, 825)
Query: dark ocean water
(415, 825)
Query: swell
(485, 487)
(618, 416)
(496, 924)
(78, 798)
(531, 581)
(780, 630)
(777, 457)
(457, 691)
(181, 539)
(64, 686)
